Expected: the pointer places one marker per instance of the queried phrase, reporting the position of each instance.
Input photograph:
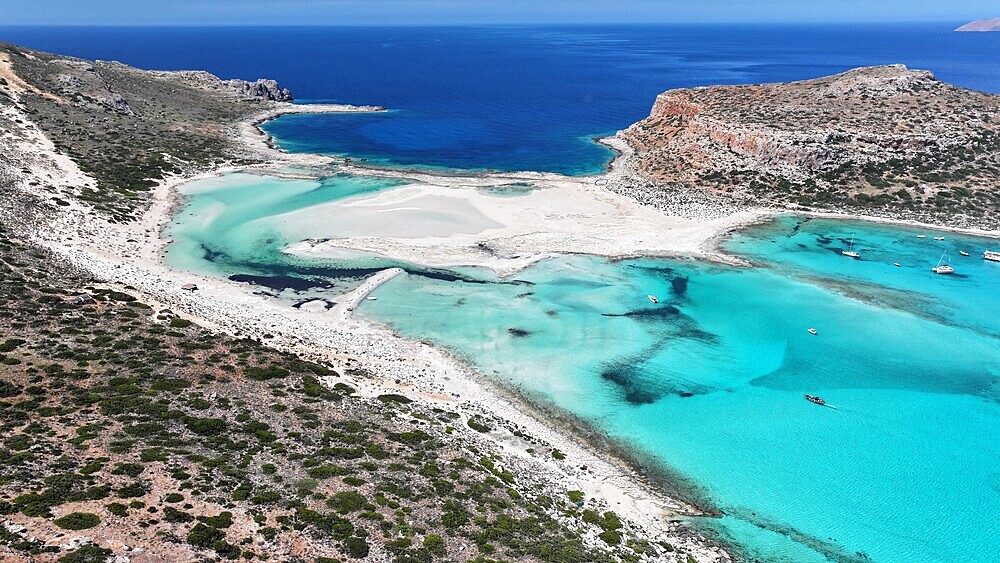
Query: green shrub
(345, 502)
(9, 390)
(205, 426)
(203, 535)
(178, 322)
(171, 514)
(434, 544)
(611, 537)
(77, 521)
(132, 490)
(87, 554)
(356, 547)
(222, 521)
(395, 398)
(477, 425)
(326, 471)
(266, 373)
(10, 345)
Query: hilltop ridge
(885, 141)
(985, 24)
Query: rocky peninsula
(884, 141)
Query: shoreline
(626, 474)
(388, 363)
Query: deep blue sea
(902, 465)
(520, 97)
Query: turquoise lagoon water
(903, 466)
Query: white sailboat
(942, 266)
(850, 250)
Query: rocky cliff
(880, 140)
(127, 127)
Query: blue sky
(429, 12)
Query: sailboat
(944, 268)
(850, 250)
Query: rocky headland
(882, 141)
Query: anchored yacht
(943, 267)
(850, 250)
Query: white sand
(449, 221)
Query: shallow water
(709, 383)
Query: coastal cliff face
(876, 140)
(985, 24)
(128, 128)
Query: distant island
(985, 24)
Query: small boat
(653, 298)
(942, 266)
(814, 399)
(896, 264)
(991, 255)
(921, 236)
(850, 250)
(938, 238)
(189, 287)
(813, 332)
(963, 253)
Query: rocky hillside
(877, 140)
(127, 127)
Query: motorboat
(817, 400)
(813, 332)
(991, 255)
(653, 298)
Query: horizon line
(479, 24)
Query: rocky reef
(884, 140)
